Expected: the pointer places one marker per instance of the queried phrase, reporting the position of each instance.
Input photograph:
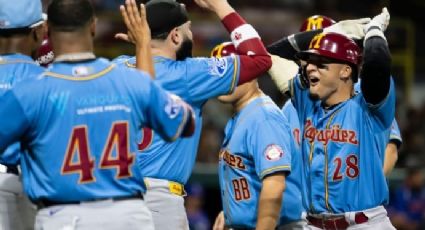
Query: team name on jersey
(333, 133)
(233, 161)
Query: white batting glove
(381, 21)
(378, 25)
(353, 29)
(282, 71)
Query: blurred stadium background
(277, 18)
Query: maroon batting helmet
(333, 46)
(44, 55)
(316, 22)
(223, 49)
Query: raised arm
(376, 70)
(288, 46)
(139, 33)
(254, 59)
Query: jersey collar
(16, 56)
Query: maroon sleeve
(253, 56)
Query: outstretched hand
(137, 25)
(353, 29)
(381, 21)
(139, 34)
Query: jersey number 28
(78, 158)
(351, 170)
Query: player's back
(15, 68)
(195, 80)
(84, 118)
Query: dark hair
(69, 15)
(7, 33)
(163, 16)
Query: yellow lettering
(315, 42)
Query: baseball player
(19, 38)
(259, 168)
(318, 22)
(78, 123)
(345, 132)
(167, 166)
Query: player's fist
(381, 21)
(353, 29)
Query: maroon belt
(336, 223)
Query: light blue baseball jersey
(15, 68)
(291, 115)
(395, 135)
(258, 143)
(195, 80)
(346, 146)
(294, 123)
(79, 123)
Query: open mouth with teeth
(314, 80)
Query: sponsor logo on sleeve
(273, 152)
(217, 66)
(173, 106)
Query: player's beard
(185, 50)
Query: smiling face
(328, 79)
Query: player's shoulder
(123, 60)
(288, 106)
(265, 109)
(20, 68)
(131, 74)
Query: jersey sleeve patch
(173, 106)
(217, 66)
(273, 152)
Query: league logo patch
(217, 66)
(273, 152)
(81, 71)
(237, 36)
(173, 106)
